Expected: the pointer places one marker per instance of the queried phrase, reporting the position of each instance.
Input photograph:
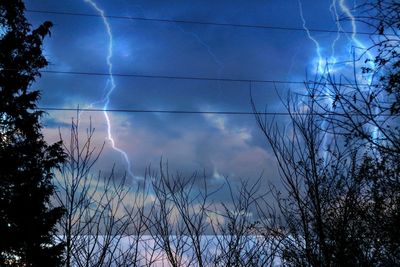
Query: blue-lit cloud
(223, 145)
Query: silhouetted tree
(184, 215)
(366, 105)
(164, 219)
(318, 190)
(27, 223)
(104, 222)
(369, 115)
(339, 163)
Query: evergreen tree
(27, 222)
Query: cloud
(221, 145)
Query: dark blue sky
(221, 144)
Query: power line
(173, 77)
(206, 23)
(199, 112)
(194, 112)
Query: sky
(229, 60)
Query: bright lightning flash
(111, 86)
(320, 62)
(322, 66)
(356, 43)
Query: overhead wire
(194, 112)
(182, 21)
(198, 78)
(204, 112)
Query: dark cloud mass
(221, 144)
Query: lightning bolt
(111, 87)
(333, 10)
(320, 62)
(356, 43)
(324, 66)
(217, 61)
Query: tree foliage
(340, 162)
(161, 220)
(27, 223)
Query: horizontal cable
(162, 111)
(207, 23)
(194, 112)
(195, 78)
